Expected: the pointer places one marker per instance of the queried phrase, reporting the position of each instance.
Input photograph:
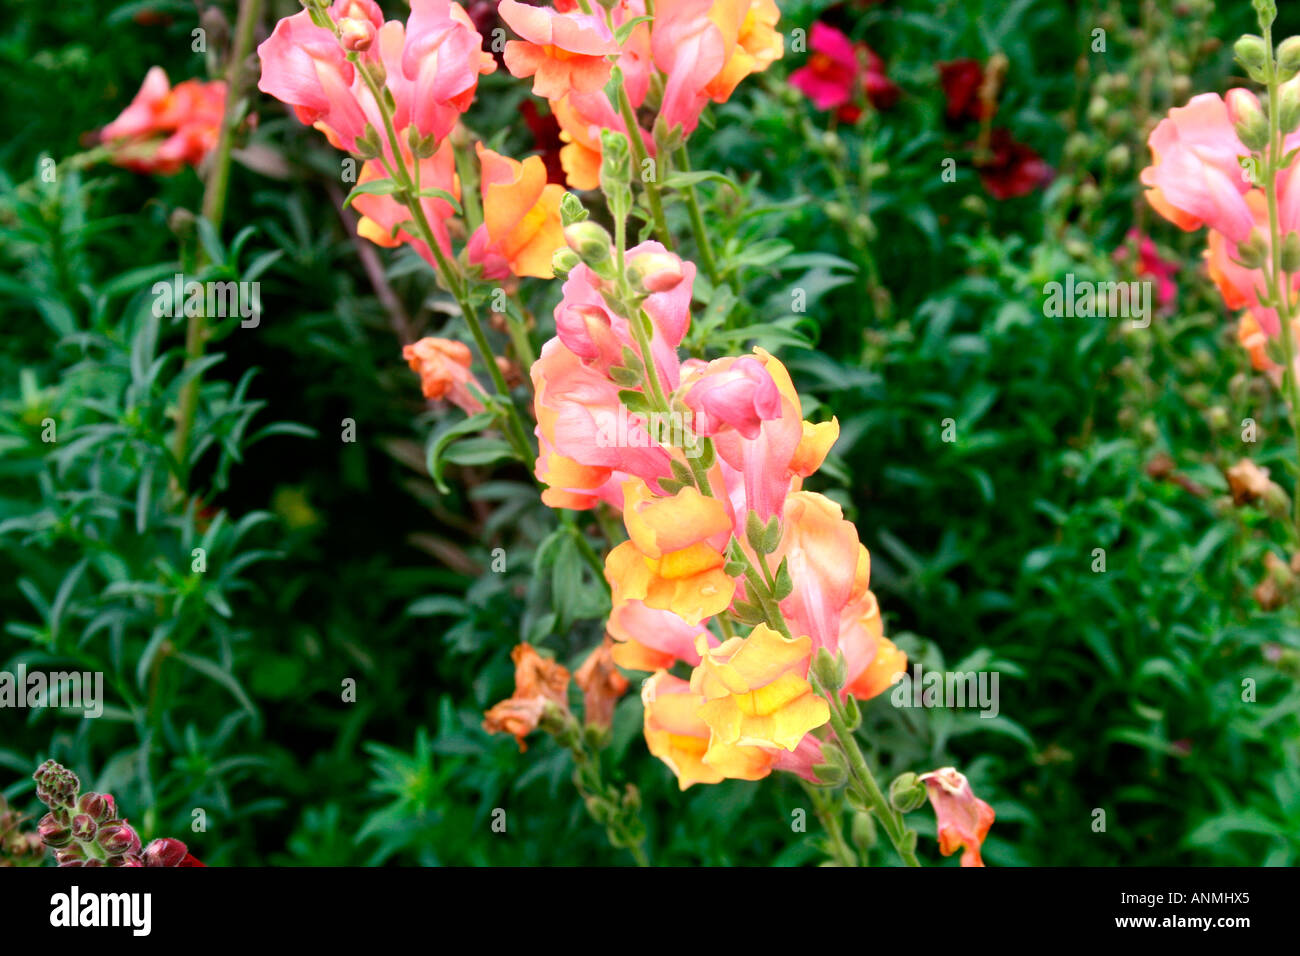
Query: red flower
(1012, 169)
(961, 81)
(839, 72)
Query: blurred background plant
(331, 556)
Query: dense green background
(1120, 690)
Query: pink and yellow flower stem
(408, 194)
(1279, 286)
(214, 210)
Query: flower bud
(1248, 118)
(54, 833)
(654, 272)
(73, 855)
(117, 838)
(1252, 53)
(56, 786)
(99, 806)
(593, 245)
(863, 831)
(1288, 107)
(563, 261)
(164, 852)
(831, 672)
(907, 792)
(83, 827)
(571, 210)
(356, 35)
(1291, 253)
(1288, 58)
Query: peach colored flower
(673, 560)
(561, 51)
(677, 735)
(521, 212)
(963, 818)
(1195, 178)
(756, 690)
(385, 221)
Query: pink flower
(442, 57)
(304, 66)
(384, 220)
(839, 70)
(1195, 178)
(732, 392)
(964, 819)
(563, 52)
(1150, 263)
(165, 128)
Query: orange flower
(560, 51)
(673, 559)
(602, 685)
(756, 690)
(443, 367)
(521, 218)
(539, 683)
(677, 734)
(963, 818)
(758, 44)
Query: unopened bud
(83, 827)
(563, 261)
(571, 210)
(164, 852)
(54, 833)
(1252, 252)
(117, 837)
(356, 35)
(1288, 107)
(1252, 53)
(1291, 253)
(99, 806)
(592, 244)
(906, 792)
(1288, 58)
(831, 672)
(654, 272)
(1248, 119)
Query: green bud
(1252, 53)
(831, 672)
(1117, 158)
(829, 774)
(563, 261)
(863, 831)
(1252, 252)
(1251, 124)
(1288, 107)
(906, 792)
(1288, 58)
(571, 210)
(852, 713)
(734, 569)
(1291, 253)
(593, 245)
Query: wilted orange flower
(521, 218)
(538, 682)
(602, 685)
(756, 690)
(443, 367)
(964, 819)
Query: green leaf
(376, 187)
(439, 442)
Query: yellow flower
(756, 690)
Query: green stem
(214, 210)
(890, 818)
(1278, 283)
(639, 157)
(832, 822)
(701, 233)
